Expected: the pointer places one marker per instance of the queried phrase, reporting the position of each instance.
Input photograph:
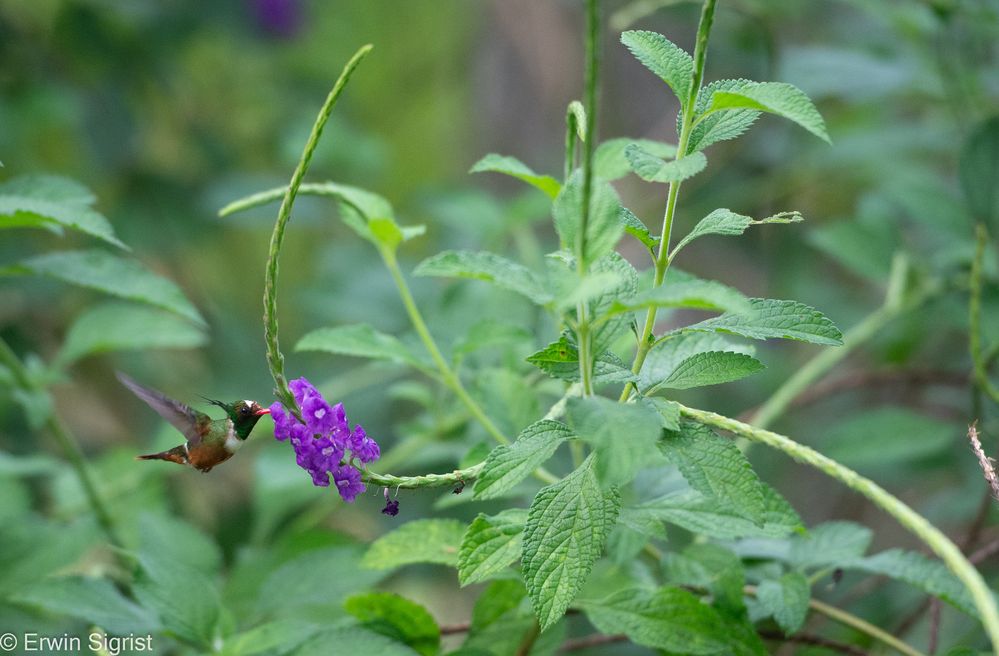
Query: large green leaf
(687, 292)
(830, 545)
(564, 535)
(773, 319)
(717, 126)
(655, 169)
(603, 228)
(514, 167)
(709, 368)
(490, 544)
(117, 326)
(508, 464)
(667, 354)
(786, 599)
(359, 340)
(930, 576)
(715, 467)
(623, 436)
(779, 98)
(715, 518)
(418, 541)
(23, 211)
(661, 56)
(109, 274)
(44, 186)
(397, 618)
(482, 265)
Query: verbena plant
(593, 539)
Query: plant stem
(426, 480)
(939, 543)
(863, 626)
(275, 359)
(67, 442)
(975, 317)
(683, 140)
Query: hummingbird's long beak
(265, 411)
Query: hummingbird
(209, 441)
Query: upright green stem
(978, 358)
(275, 359)
(939, 543)
(70, 447)
(683, 142)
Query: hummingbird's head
(243, 414)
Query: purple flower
(322, 441)
(391, 508)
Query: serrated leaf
(786, 599)
(716, 468)
(697, 513)
(830, 545)
(669, 618)
(667, 354)
(360, 340)
(514, 167)
(610, 163)
(661, 56)
(561, 360)
(623, 436)
(508, 464)
(694, 293)
(709, 368)
(726, 222)
(398, 618)
(490, 544)
(482, 265)
(95, 601)
(564, 535)
(979, 171)
(930, 576)
(109, 274)
(124, 327)
(634, 227)
(654, 169)
(19, 211)
(418, 541)
(778, 98)
(718, 126)
(603, 228)
(774, 319)
(889, 435)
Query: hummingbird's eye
(244, 410)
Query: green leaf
(359, 340)
(830, 545)
(930, 576)
(693, 293)
(979, 171)
(787, 600)
(490, 544)
(23, 211)
(668, 61)
(773, 319)
(669, 618)
(715, 467)
(501, 620)
(109, 274)
(709, 368)
(667, 354)
(350, 639)
(53, 188)
(610, 163)
(714, 518)
(398, 618)
(575, 116)
(717, 126)
(779, 98)
(603, 230)
(888, 436)
(726, 222)
(623, 436)
(283, 635)
(634, 227)
(419, 541)
(95, 601)
(313, 581)
(124, 327)
(669, 412)
(604, 336)
(713, 568)
(482, 265)
(561, 360)
(183, 598)
(508, 464)
(654, 169)
(564, 535)
(594, 285)
(514, 167)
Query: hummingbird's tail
(178, 454)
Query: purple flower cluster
(322, 442)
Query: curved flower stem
(275, 359)
(466, 475)
(70, 447)
(687, 124)
(939, 543)
(978, 358)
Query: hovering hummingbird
(209, 441)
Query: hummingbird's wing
(190, 422)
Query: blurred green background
(169, 110)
